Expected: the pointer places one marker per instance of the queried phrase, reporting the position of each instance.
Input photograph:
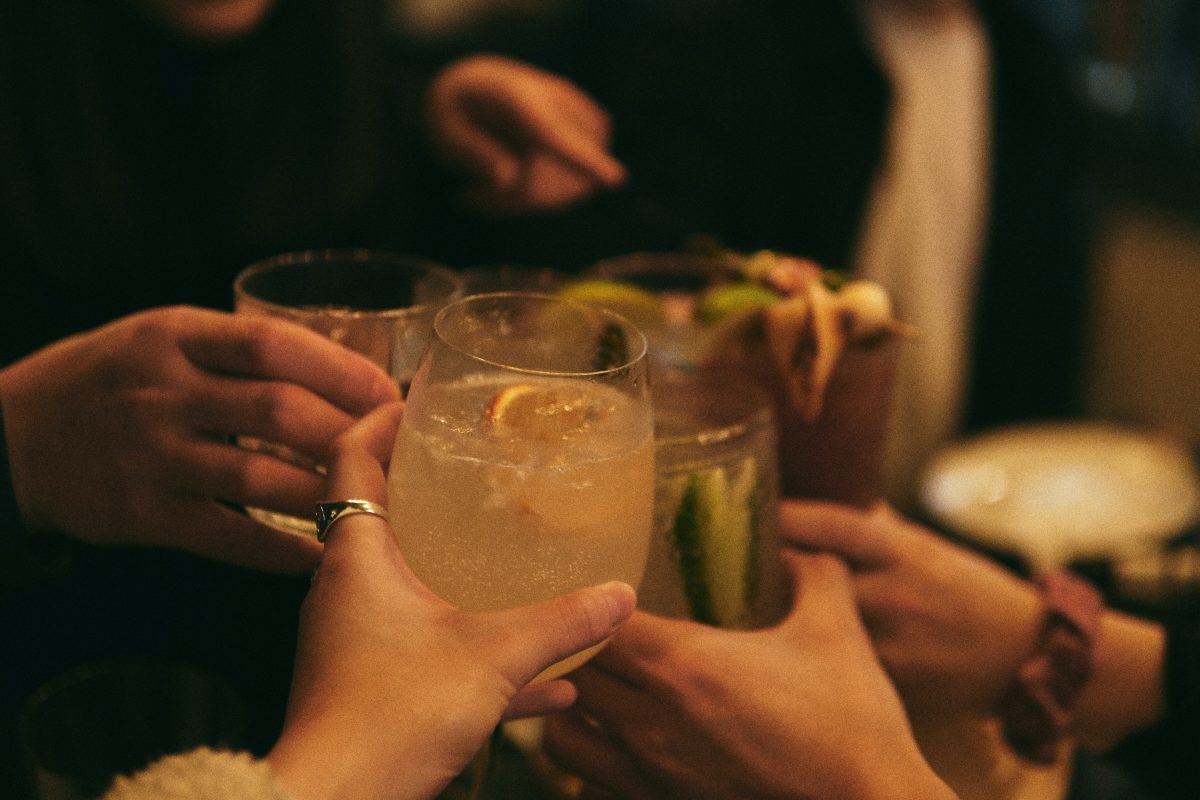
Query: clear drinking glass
(837, 456)
(377, 303)
(677, 280)
(714, 554)
(523, 467)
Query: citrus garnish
(721, 301)
(539, 412)
(642, 308)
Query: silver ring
(330, 512)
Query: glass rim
(354, 255)
(717, 433)
(636, 354)
(752, 406)
(632, 265)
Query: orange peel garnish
(539, 412)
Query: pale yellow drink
(520, 491)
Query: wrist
(1039, 704)
(1128, 692)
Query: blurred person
(152, 149)
(931, 145)
(394, 689)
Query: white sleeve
(201, 774)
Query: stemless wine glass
(376, 303)
(524, 464)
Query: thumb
(545, 633)
(822, 588)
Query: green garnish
(612, 350)
(715, 536)
(833, 279)
(727, 299)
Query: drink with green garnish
(714, 553)
(824, 347)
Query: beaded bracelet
(1039, 704)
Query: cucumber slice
(716, 541)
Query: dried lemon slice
(539, 412)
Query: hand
(122, 435)
(950, 626)
(673, 708)
(395, 690)
(527, 139)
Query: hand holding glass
(524, 465)
(375, 303)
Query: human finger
(579, 149)
(621, 708)
(213, 469)
(541, 698)
(835, 528)
(355, 468)
(275, 349)
(491, 162)
(271, 411)
(545, 184)
(531, 638)
(580, 747)
(824, 601)
(644, 643)
(210, 530)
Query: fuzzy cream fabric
(201, 774)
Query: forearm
(1126, 692)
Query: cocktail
(524, 466)
(825, 348)
(714, 555)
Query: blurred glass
(512, 278)
(376, 303)
(103, 719)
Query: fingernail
(621, 600)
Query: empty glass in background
(376, 303)
(103, 719)
(512, 278)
